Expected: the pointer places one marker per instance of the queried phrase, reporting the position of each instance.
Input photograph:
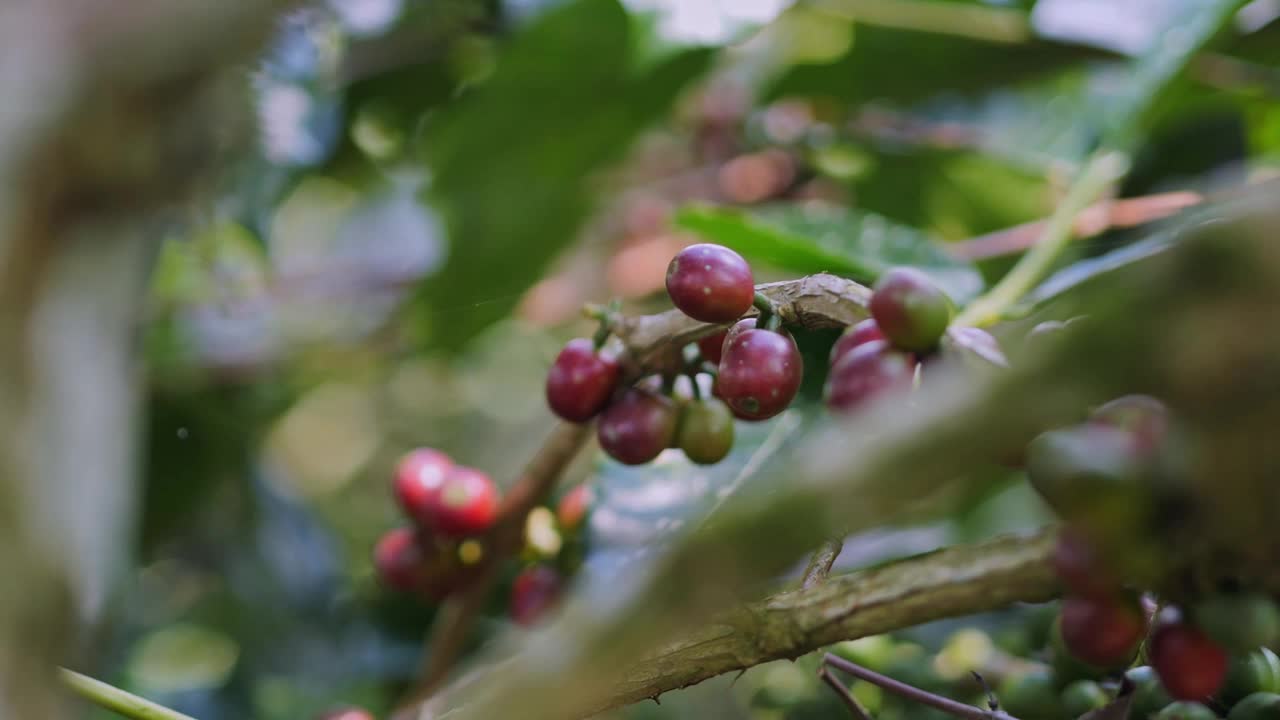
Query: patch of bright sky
(707, 21)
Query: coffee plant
(892, 359)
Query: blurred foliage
(440, 184)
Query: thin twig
(842, 692)
(911, 692)
(453, 625)
(116, 700)
(820, 564)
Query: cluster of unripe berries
(909, 324)
(755, 366)
(451, 509)
(1212, 655)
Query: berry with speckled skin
(1190, 665)
(534, 592)
(581, 381)
(760, 373)
(467, 504)
(637, 426)
(710, 283)
(911, 311)
(860, 334)
(865, 373)
(418, 479)
(706, 431)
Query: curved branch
(957, 581)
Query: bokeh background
(435, 188)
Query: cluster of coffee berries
(451, 508)
(1204, 656)
(910, 316)
(754, 366)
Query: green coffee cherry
(1149, 696)
(1254, 672)
(1239, 622)
(1082, 696)
(1186, 711)
(705, 431)
(1031, 696)
(1258, 706)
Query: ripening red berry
(706, 431)
(865, 372)
(1143, 416)
(418, 479)
(637, 426)
(710, 283)
(1190, 665)
(467, 504)
(712, 346)
(1077, 565)
(1103, 631)
(399, 560)
(760, 373)
(581, 381)
(911, 311)
(351, 713)
(572, 509)
(535, 591)
(856, 335)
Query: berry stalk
(1103, 169)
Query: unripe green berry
(705, 432)
(911, 311)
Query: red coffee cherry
(860, 334)
(581, 381)
(712, 346)
(865, 372)
(911, 311)
(706, 431)
(710, 283)
(760, 373)
(1190, 665)
(1144, 417)
(535, 591)
(1104, 632)
(572, 509)
(418, 479)
(400, 561)
(466, 505)
(637, 426)
(1076, 562)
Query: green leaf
(513, 162)
(831, 239)
(1154, 75)
(907, 51)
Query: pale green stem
(1100, 172)
(116, 700)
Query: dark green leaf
(831, 239)
(513, 161)
(908, 62)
